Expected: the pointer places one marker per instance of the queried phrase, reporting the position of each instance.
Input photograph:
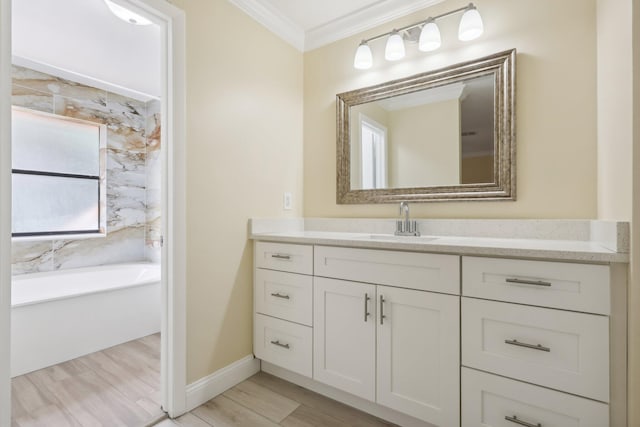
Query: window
(373, 143)
(56, 173)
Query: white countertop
(565, 250)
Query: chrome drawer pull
(280, 256)
(279, 295)
(366, 302)
(382, 316)
(279, 344)
(528, 282)
(523, 344)
(515, 420)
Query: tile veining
(132, 163)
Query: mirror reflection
(440, 136)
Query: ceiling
(83, 41)
(309, 24)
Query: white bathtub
(58, 316)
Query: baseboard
(223, 379)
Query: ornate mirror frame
(502, 66)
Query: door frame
(172, 21)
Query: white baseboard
(220, 381)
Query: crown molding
(273, 20)
(340, 28)
(362, 20)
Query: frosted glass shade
(395, 47)
(127, 15)
(429, 37)
(364, 58)
(470, 25)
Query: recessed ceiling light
(127, 15)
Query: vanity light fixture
(127, 15)
(470, 28)
(429, 37)
(364, 58)
(395, 47)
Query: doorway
(173, 346)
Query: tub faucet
(406, 227)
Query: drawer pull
(279, 344)
(366, 306)
(528, 282)
(515, 420)
(280, 256)
(532, 346)
(279, 295)
(382, 316)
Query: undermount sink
(408, 239)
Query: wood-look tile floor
(119, 386)
(267, 401)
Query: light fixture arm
(420, 23)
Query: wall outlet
(287, 201)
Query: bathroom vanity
(446, 330)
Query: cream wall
(634, 294)
(424, 145)
(556, 107)
(619, 152)
(244, 149)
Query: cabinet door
(419, 354)
(344, 336)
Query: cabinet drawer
(427, 272)
(579, 287)
(287, 296)
(283, 343)
(557, 349)
(284, 257)
(493, 401)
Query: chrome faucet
(406, 227)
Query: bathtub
(58, 316)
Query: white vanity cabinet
(538, 337)
(426, 339)
(282, 295)
(393, 343)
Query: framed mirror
(443, 135)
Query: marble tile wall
(133, 161)
(153, 230)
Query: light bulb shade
(127, 15)
(470, 25)
(395, 47)
(429, 37)
(363, 59)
